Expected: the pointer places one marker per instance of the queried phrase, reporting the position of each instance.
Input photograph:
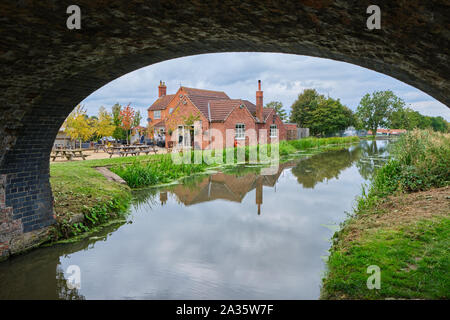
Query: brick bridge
(47, 69)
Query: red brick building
(217, 115)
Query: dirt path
(399, 210)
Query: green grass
(140, 174)
(420, 161)
(79, 189)
(413, 260)
(143, 173)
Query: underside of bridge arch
(47, 69)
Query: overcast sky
(283, 77)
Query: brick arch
(47, 69)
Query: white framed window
(240, 131)
(157, 114)
(273, 131)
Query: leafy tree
(126, 117)
(137, 119)
(78, 126)
(439, 124)
(119, 133)
(301, 109)
(105, 125)
(406, 118)
(322, 115)
(374, 110)
(278, 106)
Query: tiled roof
(201, 102)
(267, 112)
(220, 105)
(220, 109)
(206, 93)
(200, 98)
(252, 108)
(161, 103)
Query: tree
(322, 115)
(439, 124)
(137, 119)
(78, 126)
(278, 106)
(126, 117)
(119, 133)
(406, 118)
(374, 110)
(302, 107)
(104, 126)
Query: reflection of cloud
(284, 77)
(222, 249)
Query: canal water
(235, 234)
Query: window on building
(157, 114)
(240, 131)
(170, 110)
(273, 130)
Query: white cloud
(283, 77)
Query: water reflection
(231, 185)
(325, 166)
(230, 235)
(39, 274)
(373, 155)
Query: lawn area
(79, 189)
(401, 224)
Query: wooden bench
(68, 154)
(132, 152)
(80, 156)
(112, 152)
(98, 147)
(148, 150)
(53, 156)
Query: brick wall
(282, 132)
(180, 112)
(9, 228)
(237, 116)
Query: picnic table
(134, 150)
(98, 147)
(69, 154)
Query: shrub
(420, 161)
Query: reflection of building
(163, 197)
(231, 187)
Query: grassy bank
(84, 198)
(401, 224)
(142, 173)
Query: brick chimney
(161, 89)
(259, 102)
